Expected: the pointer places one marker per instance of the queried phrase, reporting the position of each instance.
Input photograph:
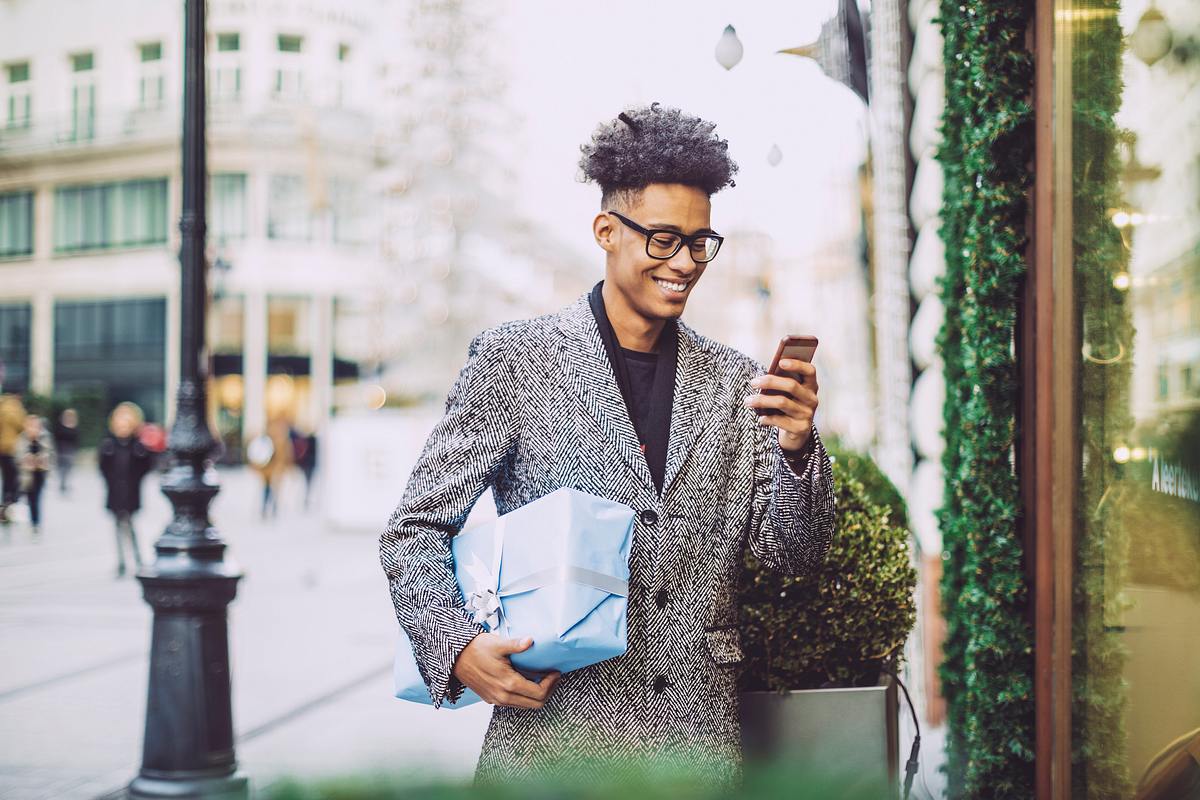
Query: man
(614, 396)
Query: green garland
(1098, 753)
(988, 665)
(985, 155)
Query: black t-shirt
(642, 367)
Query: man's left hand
(797, 404)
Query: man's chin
(668, 311)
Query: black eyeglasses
(663, 244)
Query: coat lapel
(590, 378)
(695, 386)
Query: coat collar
(590, 377)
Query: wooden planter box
(844, 732)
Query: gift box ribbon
(484, 599)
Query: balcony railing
(99, 129)
(276, 119)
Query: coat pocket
(724, 644)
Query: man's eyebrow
(666, 226)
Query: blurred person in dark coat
(66, 444)
(304, 448)
(34, 454)
(124, 461)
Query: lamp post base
(229, 787)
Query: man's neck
(634, 332)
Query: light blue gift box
(555, 570)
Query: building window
(19, 102)
(16, 224)
(289, 215)
(83, 97)
(117, 347)
(98, 216)
(289, 82)
(225, 83)
(346, 211)
(15, 324)
(151, 88)
(227, 212)
(1133, 490)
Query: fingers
(507, 687)
(523, 693)
(806, 370)
(786, 382)
(802, 402)
(510, 646)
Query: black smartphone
(800, 348)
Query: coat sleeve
(462, 456)
(791, 516)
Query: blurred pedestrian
(12, 422)
(34, 454)
(124, 461)
(66, 444)
(271, 456)
(304, 447)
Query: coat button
(660, 684)
(660, 599)
(649, 516)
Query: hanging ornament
(774, 155)
(1151, 39)
(729, 48)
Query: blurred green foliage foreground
(761, 782)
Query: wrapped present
(555, 570)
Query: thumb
(515, 645)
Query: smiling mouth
(671, 287)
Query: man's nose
(682, 262)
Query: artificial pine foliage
(985, 155)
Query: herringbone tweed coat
(537, 407)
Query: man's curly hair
(655, 144)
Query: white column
(41, 356)
(893, 450)
(321, 320)
(43, 222)
(254, 365)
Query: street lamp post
(188, 751)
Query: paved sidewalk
(311, 646)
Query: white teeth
(675, 287)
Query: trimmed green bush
(837, 625)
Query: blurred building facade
(338, 257)
(89, 187)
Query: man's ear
(605, 232)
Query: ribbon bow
(483, 601)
